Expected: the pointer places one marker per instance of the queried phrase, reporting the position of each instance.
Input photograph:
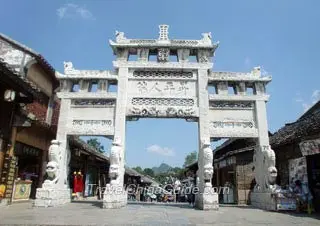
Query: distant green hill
(163, 168)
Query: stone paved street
(90, 213)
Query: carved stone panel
(162, 111)
(163, 74)
(228, 122)
(163, 54)
(231, 105)
(91, 121)
(93, 103)
(163, 102)
(91, 127)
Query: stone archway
(161, 89)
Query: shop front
(310, 149)
(88, 170)
(28, 171)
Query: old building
(233, 165)
(28, 119)
(91, 164)
(297, 148)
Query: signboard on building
(310, 147)
(8, 176)
(298, 170)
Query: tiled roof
(26, 85)
(40, 59)
(76, 141)
(308, 125)
(38, 110)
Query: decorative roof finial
(163, 32)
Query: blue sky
(280, 35)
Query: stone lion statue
(120, 36)
(52, 171)
(68, 65)
(265, 171)
(206, 38)
(52, 168)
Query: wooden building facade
(297, 148)
(28, 118)
(233, 165)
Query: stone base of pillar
(114, 198)
(209, 200)
(263, 200)
(50, 197)
(4, 202)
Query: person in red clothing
(77, 184)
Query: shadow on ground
(178, 205)
(291, 213)
(96, 203)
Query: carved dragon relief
(170, 112)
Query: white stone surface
(51, 197)
(164, 89)
(209, 200)
(114, 197)
(263, 200)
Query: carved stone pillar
(183, 55)
(102, 85)
(115, 195)
(264, 161)
(207, 198)
(143, 54)
(222, 88)
(84, 85)
(241, 88)
(55, 190)
(65, 85)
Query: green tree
(138, 169)
(178, 172)
(190, 158)
(93, 142)
(149, 172)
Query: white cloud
(161, 150)
(247, 62)
(71, 10)
(315, 96)
(306, 104)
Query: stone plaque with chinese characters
(161, 88)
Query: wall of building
(35, 136)
(244, 176)
(283, 154)
(40, 78)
